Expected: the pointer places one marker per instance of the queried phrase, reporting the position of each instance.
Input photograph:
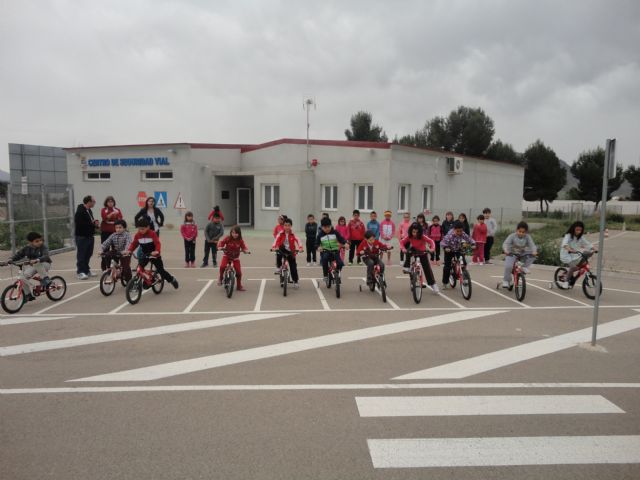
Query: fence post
(45, 229)
(71, 217)
(501, 215)
(12, 225)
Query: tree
(544, 176)
(632, 175)
(588, 170)
(471, 130)
(362, 129)
(503, 152)
(418, 139)
(437, 134)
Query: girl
(403, 231)
(343, 229)
(447, 224)
(462, 218)
(110, 214)
(480, 236)
(232, 245)
(422, 220)
(189, 232)
(215, 210)
(420, 244)
(387, 231)
(435, 233)
(153, 214)
(573, 244)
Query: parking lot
(191, 384)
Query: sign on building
(161, 199)
(179, 204)
(142, 198)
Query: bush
(615, 218)
(558, 214)
(549, 252)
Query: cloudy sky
(142, 71)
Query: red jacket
(210, 217)
(418, 244)
(294, 242)
(278, 228)
(189, 231)
(232, 247)
(107, 224)
(480, 233)
(356, 229)
(365, 249)
(149, 242)
(435, 232)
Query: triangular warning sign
(179, 202)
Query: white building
(253, 184)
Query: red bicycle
(13, 297)
(378, 279)
(111, 276)
(143, 279)
(229, 276)
(588, 283)
(519, 276)
(333, 272)
(460, 274)
(285, 273)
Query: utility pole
(307, 103)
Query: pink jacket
(479, 233)
(403, 229)
(344, 231)
(189, 231)
(387, 229)
(419, 244)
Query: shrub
(615, 218)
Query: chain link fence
(46, 209)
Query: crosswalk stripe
(435, 406)
(19, 320)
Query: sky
(145, 71)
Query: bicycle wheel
(229, 283)
(133, 290)
(337, 281)
(416, 287)
(12, 298)
(465, 285)
(57, 288)
(521, 287)
(453, 277)
(560, 276)
(107, 283)
(158, 283)
(383, 288)
(589, 286)
(285, 281)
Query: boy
(212, 233)
(369, 249)
(356, 234)
(518, 243)
(149, 243)
(118, 243)
(322, 217)
(453, 244)
(374, 225)
(39, 263)
(288, 245)
(492, 226)
(329, 243)
(387, 231)
(311, 232)
(403, 231)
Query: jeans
(370, 262)
(426, 266)
(487, 249)
(352, 249)
(157, 262)
(508, 265)
(84, 250)
(435, 255)
(189, 251)
(311, 250)
(293, 266)
(326, 257)
(213, 248)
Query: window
(426, 198)
(364, 197)
(157, 176)
(329, 197)
(271, 197)
(403, 198)
(97, 176)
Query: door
(243, 206)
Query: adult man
(85, 228)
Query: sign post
(608, 171)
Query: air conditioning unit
(454, 165)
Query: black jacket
(446, 226)
(83, 219)
(157, 213)
(311, 230)
(32, 253)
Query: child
(370, 249)
(422, 221)
(435, 233)
(356, 234)
(288, 245)
(329, 241)
(447, 224)
(373, 225)
(454, 245)
(233, 245)
(323, 215)
(480, 236)
(118, 243)
(462, 218)
(518, 243)
(492, 227)
(39, 263)
(109, 213)
(343, 229)
(189, 232)
(212, 234)
(574, 243)
(214, 212)
(417, 243)
(149, 243)
(276, 231)
(387, 231)
(403, 231)
(311, 232)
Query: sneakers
(435, 289)
(205, 265)
(525, 270)
(505, 284)
(174, 282)
(83, 276)
(215, 264)
(241, 288)
(295, 285)
(351, 264)
(308, 264)
(92, 274)
(406, 270)
(325, 280)
(564, 285)
(29, 297)
(277, 271)
(445, 286)
(187, 265)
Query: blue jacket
(374, 226)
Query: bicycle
(588, 283)
(229, 276)
(416, 275)
(334, 276)
(143, 279)
(111, 276)
(285, 273)
(13, 298)
(519, 276)
(460, 274)
(378, 279)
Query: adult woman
(109, 214)
(153, 214)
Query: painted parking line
(263, 283)
(171, 369)
(197, 298)
(391, 303)
(66, 300)
(502, 451)
(509, 356)
(546, 290)
(20, 320)
(604, 288)
(323, 301)
(117, 309)
(493, 290)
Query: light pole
(307, 103)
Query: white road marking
(84, 282)
(171, 369)
(19, 320)
(313, 387)
(509, 356)
(391, 303)
(263, 283)
(459, 305)
(323, 301)
(117, 309)
(481, 452)
(61, 302)
(611, 289)
(437, 406)
(198, 297)
(547, 290)
(130, 334)
(493, 290)
(610, 238)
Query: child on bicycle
(454, 244)
(518, 243)
(189, 232)
(574, 250)
(39, 263)
(149, 243)
(276, 231)
(369, 250)
(233, 244)
(115, 247)
(387, 231)
(418, 244)
(288, 245)
(329, 243)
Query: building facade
(253, 184)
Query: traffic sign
(161, 199)
(179, 203)
(142, 198)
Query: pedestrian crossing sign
(179, 204)
(161, 199)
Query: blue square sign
(161, 199)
